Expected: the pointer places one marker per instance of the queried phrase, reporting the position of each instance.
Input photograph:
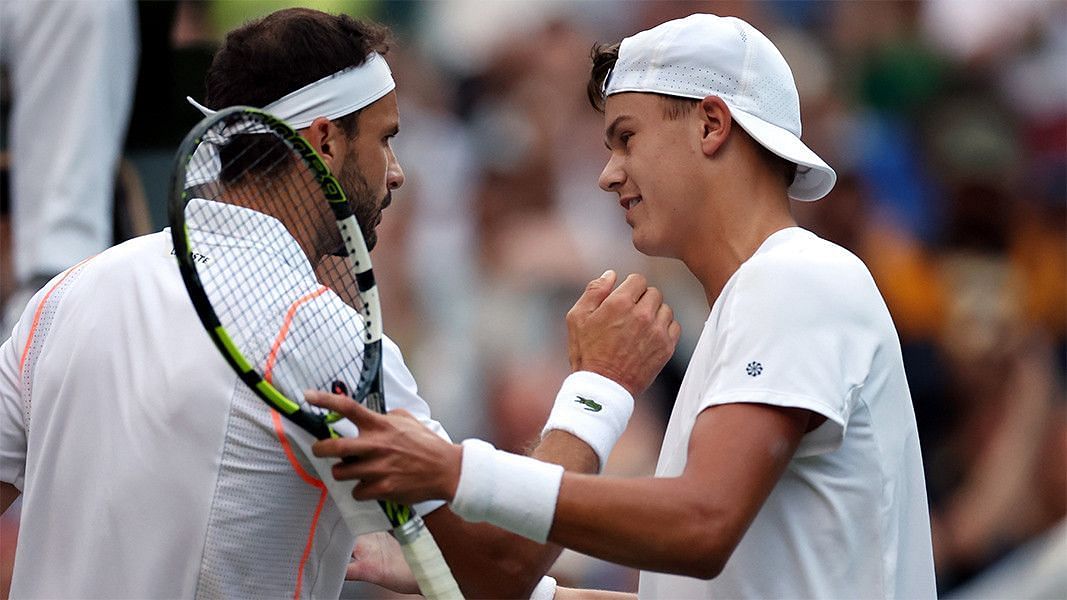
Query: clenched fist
(626, 334)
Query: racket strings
(254, 213)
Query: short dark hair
(604, 58)
(267, 58)
(674, 107)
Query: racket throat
(408, 531)
(374, 402)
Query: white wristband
(545, 590)
(517, 493)
(593, 408)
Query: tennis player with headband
(147, 469)
(790, 466)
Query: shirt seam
(882, 480)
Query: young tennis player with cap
(148, 469)
(790, 466)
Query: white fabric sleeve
(12, 408)
(12, 424)
(401, 391)
(792, 341)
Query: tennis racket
(277, 268)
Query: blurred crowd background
(946, 121)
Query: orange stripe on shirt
(40, 309)
(307, 548)
(279, 429)
(268, 372)
(273, 356)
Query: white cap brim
(814, 177)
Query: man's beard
(365, 206)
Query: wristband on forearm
(593, 408)
(513, 492)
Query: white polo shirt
(801, 324)
(147, 469)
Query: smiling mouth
(628, 203)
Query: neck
(301, 226)
(741, 214)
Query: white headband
(333, 96)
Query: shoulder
(114, 268)
(798, 268)
(144, 253)
(797, 255)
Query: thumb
(596, 291)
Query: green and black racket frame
(434, 578)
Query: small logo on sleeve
(589, 405)
(754, 369)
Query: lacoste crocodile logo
(590, 405)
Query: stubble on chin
(365, 206)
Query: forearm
(566, 450)
(653, 524)
(689, 524)
(492, 563)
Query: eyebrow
(612, 131)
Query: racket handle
(426, 561)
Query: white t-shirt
(147, 468)
(801, 324)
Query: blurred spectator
(71, 68)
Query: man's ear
(327, 139)
(716, 123)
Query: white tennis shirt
(801, 324)
(147, 469)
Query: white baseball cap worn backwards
(707, 55)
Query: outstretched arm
(689, 524)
